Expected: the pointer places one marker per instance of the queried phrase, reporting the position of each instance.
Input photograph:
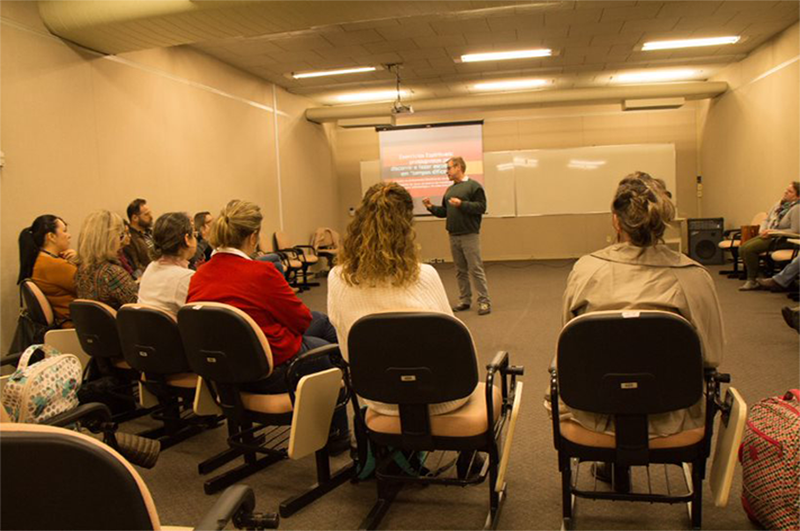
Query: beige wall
(561, 127)
(82, 132)
(750, 141)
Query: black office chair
(152, 345)
(54, 478)
(228, 349)
(96, 327)
(630, 365)
(414, 359)
(299, 257)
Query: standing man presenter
(464, 204)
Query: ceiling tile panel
(655, 24)
(495, 37)
(642, 10)
(440, 41)
(460, 26)
(405, 31)
(391, 46)
(568, 18)
(303, 43)
(348, 38)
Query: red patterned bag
(770, 457)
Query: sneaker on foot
(464, 306)
(750, 285)
(792, 317)
(484, 308)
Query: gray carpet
(761, 355)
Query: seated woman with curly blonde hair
(379, 270)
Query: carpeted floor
(761, 355)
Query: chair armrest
(93, 411)
(237, 503)
(11, 359)
(293, 375)
(554, 412)
(732, 234)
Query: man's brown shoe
(484, 308)
(461, 307)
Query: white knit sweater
(347, 304)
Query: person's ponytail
(31, 241)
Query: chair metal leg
(387, 492)
(496, 499)
(235, 475)
(566, 489)
(214, 462)
(325, 483)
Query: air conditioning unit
(652, 103)
(372, 121)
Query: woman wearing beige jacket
(640, 272)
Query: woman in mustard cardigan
(46, 258)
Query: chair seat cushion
(727, 244)
(270, 404)
(467, 421)
(574, 432)
(187, 380)
(120, 363)
(783, 255)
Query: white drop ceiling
(593, 41)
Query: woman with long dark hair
(46, 258)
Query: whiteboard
(583, 180)
(542, 182)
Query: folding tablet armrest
(237, 503)
(327, 351)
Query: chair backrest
(96, 325)
(629, 363)
(36, 303)
(325, 238)
(55, 478)
(282, 240)
(151, 342)
(411, 357)
(223, 344)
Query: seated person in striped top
(100, 276)
(379, 270)
(45, 258)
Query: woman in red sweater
(258, 289)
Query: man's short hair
(458, 161)
(135, 207)
(200, 220)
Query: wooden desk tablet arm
(237, 503)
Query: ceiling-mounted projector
(399, 108)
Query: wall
(541, 237)
(82, 132)
(750, 137)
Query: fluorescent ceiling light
(511, 85)
(656, 75)
(501, 56)
(379, 95)
(690, 43)
(321, 73)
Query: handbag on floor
(770, 458)
(39, 390)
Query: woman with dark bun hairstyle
(46, 258)
(641, 272)
(165, 282)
